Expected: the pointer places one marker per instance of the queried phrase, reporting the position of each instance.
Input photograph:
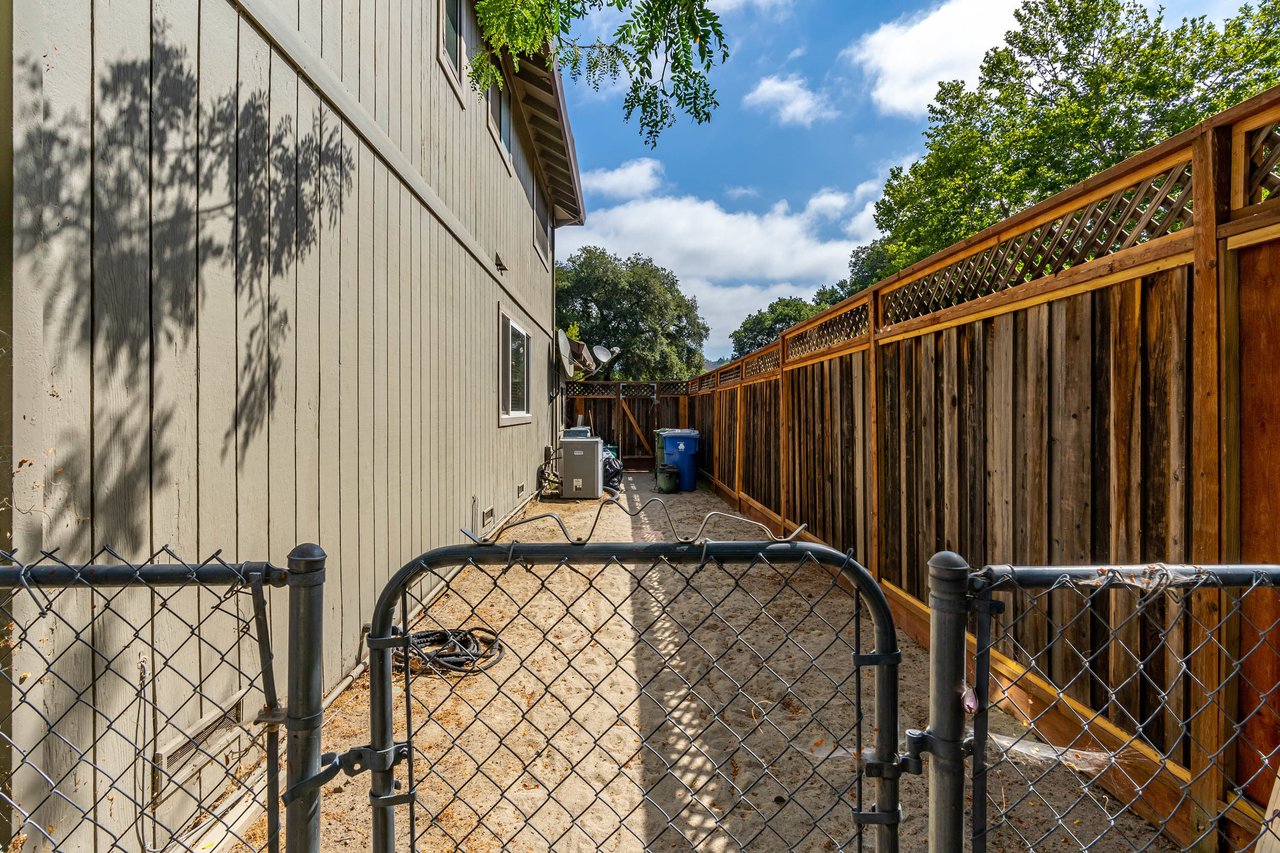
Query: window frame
(507, 414)
(541, 232)
(453, 73)
(504, 143)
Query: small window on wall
(514, 381)
(543, 226)
(453, 34)
(500, 114)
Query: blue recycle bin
(680, 447)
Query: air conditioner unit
(582, 469)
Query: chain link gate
(1126, 707)
(607, 696)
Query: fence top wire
(1153, 576)
(1132, 675)
(108, 569)
(698, 535)
(590, 553)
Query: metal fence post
(306, 697)
(948, 605)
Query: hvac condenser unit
(582, 471)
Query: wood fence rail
(1089, 381)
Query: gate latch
(353, 762)
(918, 743)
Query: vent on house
(486, 518)
(520, 490)
(190, 751)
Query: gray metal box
(583, 468)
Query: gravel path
(740, 730)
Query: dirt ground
(641, 707)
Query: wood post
(1210, 171)
(873, 475)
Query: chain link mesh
(655, 704)
(1135, 709)
(131, 707)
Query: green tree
(663, 49)
(763, 327)
(1078, 86)
(635, 305)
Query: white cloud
(696, 237)
(741, 192)
(861, 226)
(797, 53)
(907, 58)
(734, 262)
(633, 179)
(725, 306)
(790, 100)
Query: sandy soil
(643, 707)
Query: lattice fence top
(672, 389)
(1263, 179)
(705, 383)
(639, 389)
(837, 329)
(590, 389)
(1153, 207)
(765, 362)
(731, 374)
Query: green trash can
(659, 457)
(668, 479)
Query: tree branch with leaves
(663, 49)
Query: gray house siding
(253, 295)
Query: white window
(452, 34)
(500, 114)
(513, 382)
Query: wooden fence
(625, 414)
(1090, 381)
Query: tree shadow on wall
(134, 218)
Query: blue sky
(818, 100)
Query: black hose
(462, 651)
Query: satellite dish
(603, 355)
(566, 357)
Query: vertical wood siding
(235, 328)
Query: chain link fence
(139, 708)
(656, 696)
(1126, 708)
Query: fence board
(1259, 277)
(1125, 485)
(1165, 488)
(907, 474)
(928, 519)
(1070, 467)
(889, 438)
(1000, 429)
(1031, 458)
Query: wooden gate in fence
(625, 414)
(1094, 380)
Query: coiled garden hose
(461, 651)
